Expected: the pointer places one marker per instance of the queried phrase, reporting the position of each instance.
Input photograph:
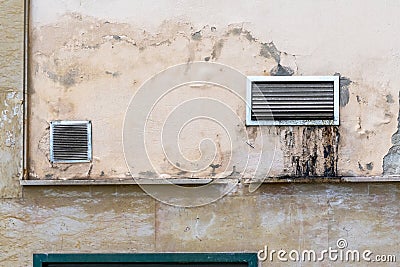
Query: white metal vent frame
(89, 140)
(294, 122)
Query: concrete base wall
(123, 219)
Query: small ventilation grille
(70, 141)
(293, 100)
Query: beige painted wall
(89, 58)
(289, 216)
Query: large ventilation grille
(70, 141)
(293, 100)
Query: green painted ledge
(184, 259)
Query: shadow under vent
(70, 141)
(301, 100)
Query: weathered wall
(288, 216)
(11, 88)
(87, 64)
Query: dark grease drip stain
(330, 144)
(310, 151)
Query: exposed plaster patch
(344, 90)
(280, 70)
(365, 168)
(389, 99)
(370, 166)
(49, 176)
(249, 36)
(118, 38)
(289, 61)
(196, 36)
(10, 109)
(286, 64)
(113, 74)
(67, 79)
(216, 50)
(391, 162)
(269, 50)
(44, 143)
(10, 139)
(164, 42)
(236, 30)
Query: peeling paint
(10, 141)
(269, 50)
(67, 80)
(241, 31)
(216, 51)
(280, 70)
(196, 36)
(389, 99)
(370, 166)
(344, 83)
(391, 161)
(113, 74)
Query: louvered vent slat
(70, 141)
(293, 100)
